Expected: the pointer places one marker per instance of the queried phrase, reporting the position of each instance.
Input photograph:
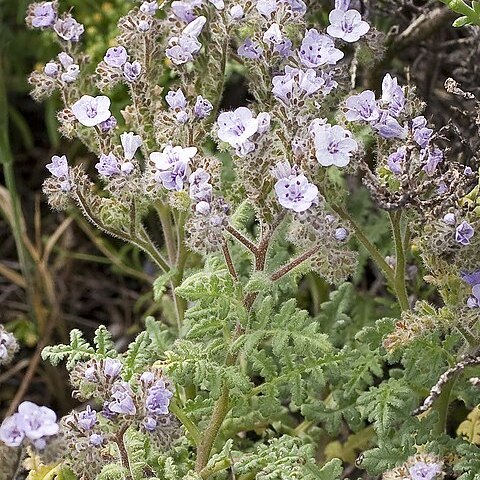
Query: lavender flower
(362, 107)
(182, 49)
(122, 401)
(112, 368)
(176, 100)
(347, 25)
(296, 193)
(218, 4)
(396, 159)
(249, 49)
(274, 38)
(333, 145)
(150, 424)
(71, 73)
(449, 219)
(116, 56)
(203, 208)
(317, 50)
(298, 6)
(425, 471)
(68, 28)
(87, 418)
(342, 5)
(32, 422)
(91, 111)
(463, 233)
(149, 8)
(392, 95)
(147, 378)
(158, 398)
(236, 12)
(341, 234)
(434, 157)
(388, 127)
(108, 125)
(51, 69)
(266, 7)
(172, 165)
(130, 144)
(132, 71)
(44, 14)
(474, 300)
(202, 107)
(95, 439)
(200, 189)
(471, 278)
(236, 127)
(284, 170)
(8, 346)
(264, 120)
(422, 136)
(10, 433)
(184, 10)
(58, 167)
(65, 59)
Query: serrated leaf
(78, 350)
(103, 342)
(332, 470)
(160, 284)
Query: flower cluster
(419, 467)
(473, 279)
(177, 103)
(8, 346)
(32, 423)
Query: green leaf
(386, 404)
(103, 342)
(377, 460)
(77, 351)
(330, 471)
(462, 21)
(137, 355)
(160, 284)
(112, 471)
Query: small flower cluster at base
(32, 423)
(8, 346)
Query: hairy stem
(220, 411)
(119, 440)
(166, 221)
(229, 261)
(400, 267)
(294, 263)
(242, 239)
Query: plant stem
(399, 278)
(377, 257)
(294, 263)
(123, 452)
(229, 261)
(242, 238)
(166, 221)
(222, 407)
(442, 404)
(187, 423)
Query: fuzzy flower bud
(236, 12)
(51, 69)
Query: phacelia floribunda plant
(250, 202)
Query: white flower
(263, 119)
(348, 25)
(194, 28)
(91, 111)
(171, 155)
(236, 127)
(71, 74)
(296, 193)
(273, 36)
(218, 4)
(333, 145)
(130, 144)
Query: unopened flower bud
(341, 234)
(236, 12)
(449, 219)
(51, 69)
